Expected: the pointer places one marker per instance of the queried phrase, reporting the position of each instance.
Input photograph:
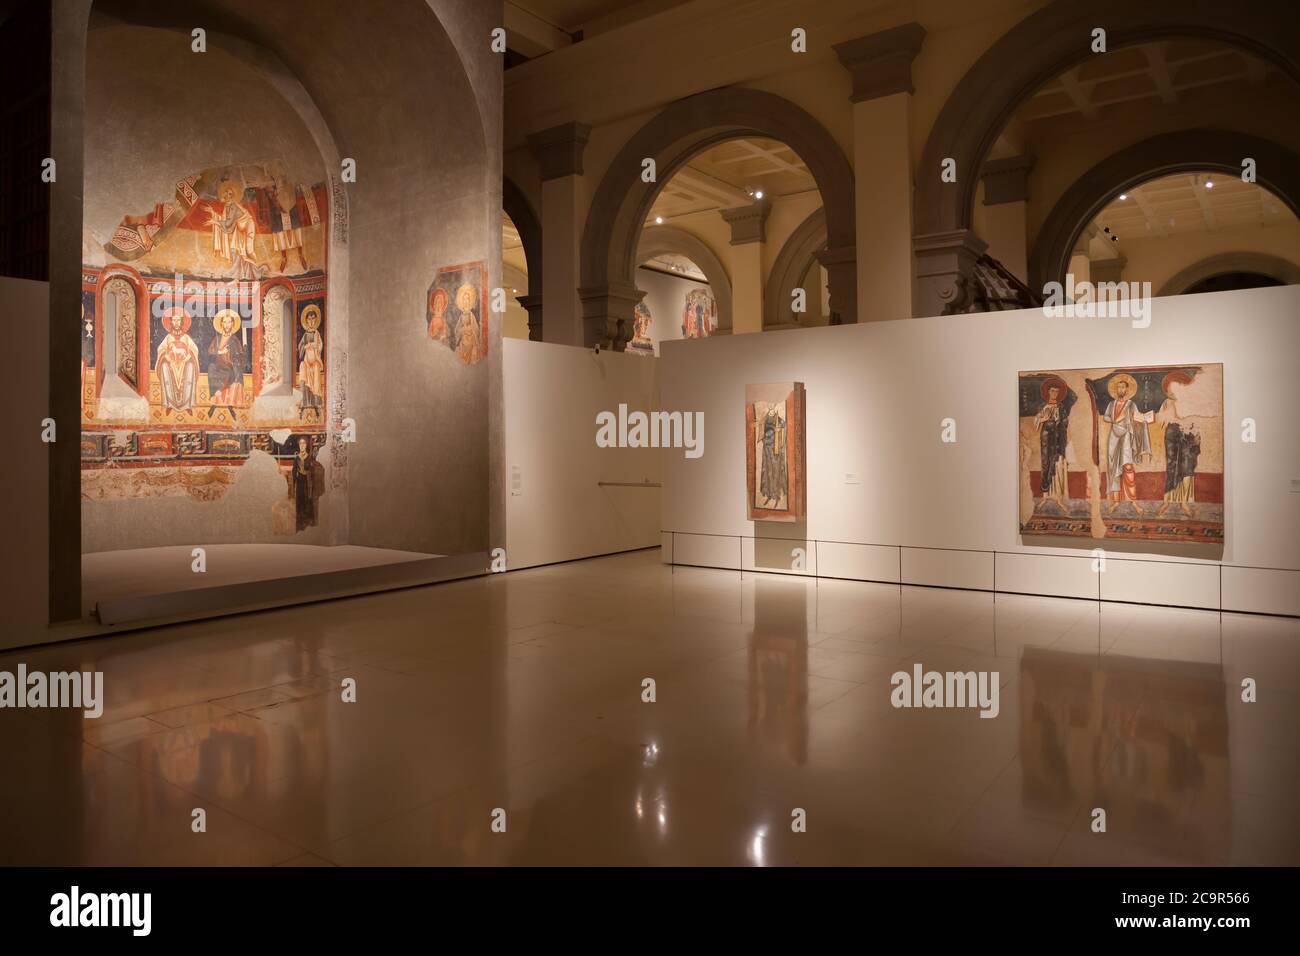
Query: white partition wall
(566, 498)
(889, 500)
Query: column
(748, 233)
(881, 67)
(1006, 197)
(559, 155)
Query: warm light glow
(1209, 184)
(659, 220)
(1123, 196)
(759, 194)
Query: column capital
(533, 306)
(881, 63)
(1006, 180)
(748, 223)
(945, 269)
(559, 149)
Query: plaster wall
(877, 394)
(1157, 260)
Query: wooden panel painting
(775, 452)
(456, 310)
(1131, 453)
(641, 343)
(204, 336)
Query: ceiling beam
(1154, 222)
(711, 187)
(1155, 54)
(530, 35)
(1203, 200)
(1080, 94)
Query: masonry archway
(1254, 263)
(1039, 48)
(623, 200)
(1278, 169)
(790, 267)
(658, 240)
(521, 213)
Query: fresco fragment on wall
(775, 452)
(204, 338)
(1123, 453)
(641, 343)
(456, 310)
(700, 314)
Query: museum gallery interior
(652, 432)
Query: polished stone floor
(523, 692)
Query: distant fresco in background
(700, 315)
(775, 452)
(203, 338)
(641, 343)
(456, 310)
(1123, 453)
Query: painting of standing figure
(1131, 452)
(456, 311)
(775, 452)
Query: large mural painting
(204, 336)
(1123, 453)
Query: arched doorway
(527, 228)
(657, 241)
(623, 200)
(1234, 270)
(1041, 47)
(793, 268)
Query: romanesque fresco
(699, 315)
(456, 310)
(641, 342)
(204, 337)
(775, 452)
(1134, 452)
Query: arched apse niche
(1256, 263)
(658, 240)
(522, 214)
(1278, 169)
(622, 201)
(1040, 47)
(790, 267)
(393, 88)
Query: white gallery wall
(888, 500)
(556, 508)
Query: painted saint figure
(177, 364)
(226, 354)
(307, 484)
(1182, 448)
(1128, 442)
(286, 221)
(233, 233)
(1052, 423)
(772, 478)
(311, 364)
(468, 346)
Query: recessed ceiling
(1180, 204)
(1169, 71)
(676, 264)
(731, 174)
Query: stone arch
(1261, 263)
(1040, 47)
(657, 240)
(1278, 169)
(789, 268)
(622, 200)
(521, 213)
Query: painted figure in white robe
(233, 234)
(1128, 443)
(177, 364)
(311, 364)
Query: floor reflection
(518, 700)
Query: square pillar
(1006, 198)
(745, 263)
(881, 67)
(558, 151)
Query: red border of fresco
(796, 486)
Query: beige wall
(1157, 260)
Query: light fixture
(1209, 184)
(759, 194)
(514, 291)
(659, 220)
(1123, 196)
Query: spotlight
(1114, 238)
(1123, 196)
(759, 194)
(1209, 184)
(659, 220)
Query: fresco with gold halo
(204, 338)
(456, 313)
(1133, 452)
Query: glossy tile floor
(524, 692)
